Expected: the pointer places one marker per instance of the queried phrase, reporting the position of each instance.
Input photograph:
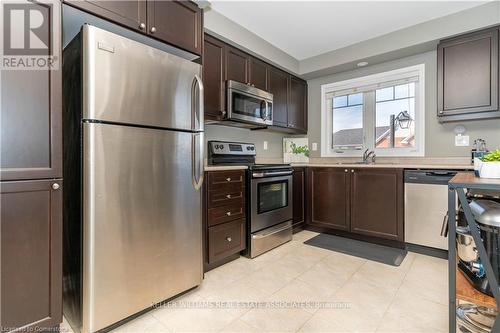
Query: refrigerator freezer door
(142, 220)
(129, 82)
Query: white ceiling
(305, 29)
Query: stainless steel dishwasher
(426, 206)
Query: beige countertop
(351, 165)
(385, 165)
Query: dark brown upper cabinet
(377, 203)
(214, 73)
(222, 62)
(468, 76)
(328, 195)
(131, 14)
(31, 255)
(258, 73)
(278, 84)
(236, 65)
(31, 126)
(297, 106)
(177, 22)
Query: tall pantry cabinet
(31, 196)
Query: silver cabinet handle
(153, 30)
(228, 179)
(346, 170)
(228, 196)
(142, 26)
(55, 186)
(228, 213)
(229, 239)
(352, 170)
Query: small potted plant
(488, 166)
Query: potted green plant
(488, 166)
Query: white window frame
(350, 86)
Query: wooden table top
(469, 180)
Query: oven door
(271, 202)
(247, 107)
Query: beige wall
(439, 138)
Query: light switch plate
(461, 140)
(265, 145)
(314, 146)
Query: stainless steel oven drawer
(267, 239)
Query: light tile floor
(370, 297)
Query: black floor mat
(383, 254)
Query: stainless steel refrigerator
(133, 157)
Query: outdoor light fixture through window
(404, 119)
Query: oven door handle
(272, 231)
(270, 174)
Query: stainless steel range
(269, 195)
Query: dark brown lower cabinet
(377, 203)
(298, 195)
(362, 201)
(31, 254)
(328, 194)
(226, 239)
(224, 217)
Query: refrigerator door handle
(198, 179)
(197, 111)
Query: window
(382, 112)
(347, 118)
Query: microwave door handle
(197, 111)
(266, 106)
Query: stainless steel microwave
(249, 105)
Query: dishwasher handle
(444, 226)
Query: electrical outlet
(461, 140)
(265, 145)
(314, 146)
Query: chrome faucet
(367, 155)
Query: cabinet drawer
(226, 239)
(231, 179)
(218, 215)
(225, 197)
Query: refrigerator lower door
(142, 226)
(132, 83)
